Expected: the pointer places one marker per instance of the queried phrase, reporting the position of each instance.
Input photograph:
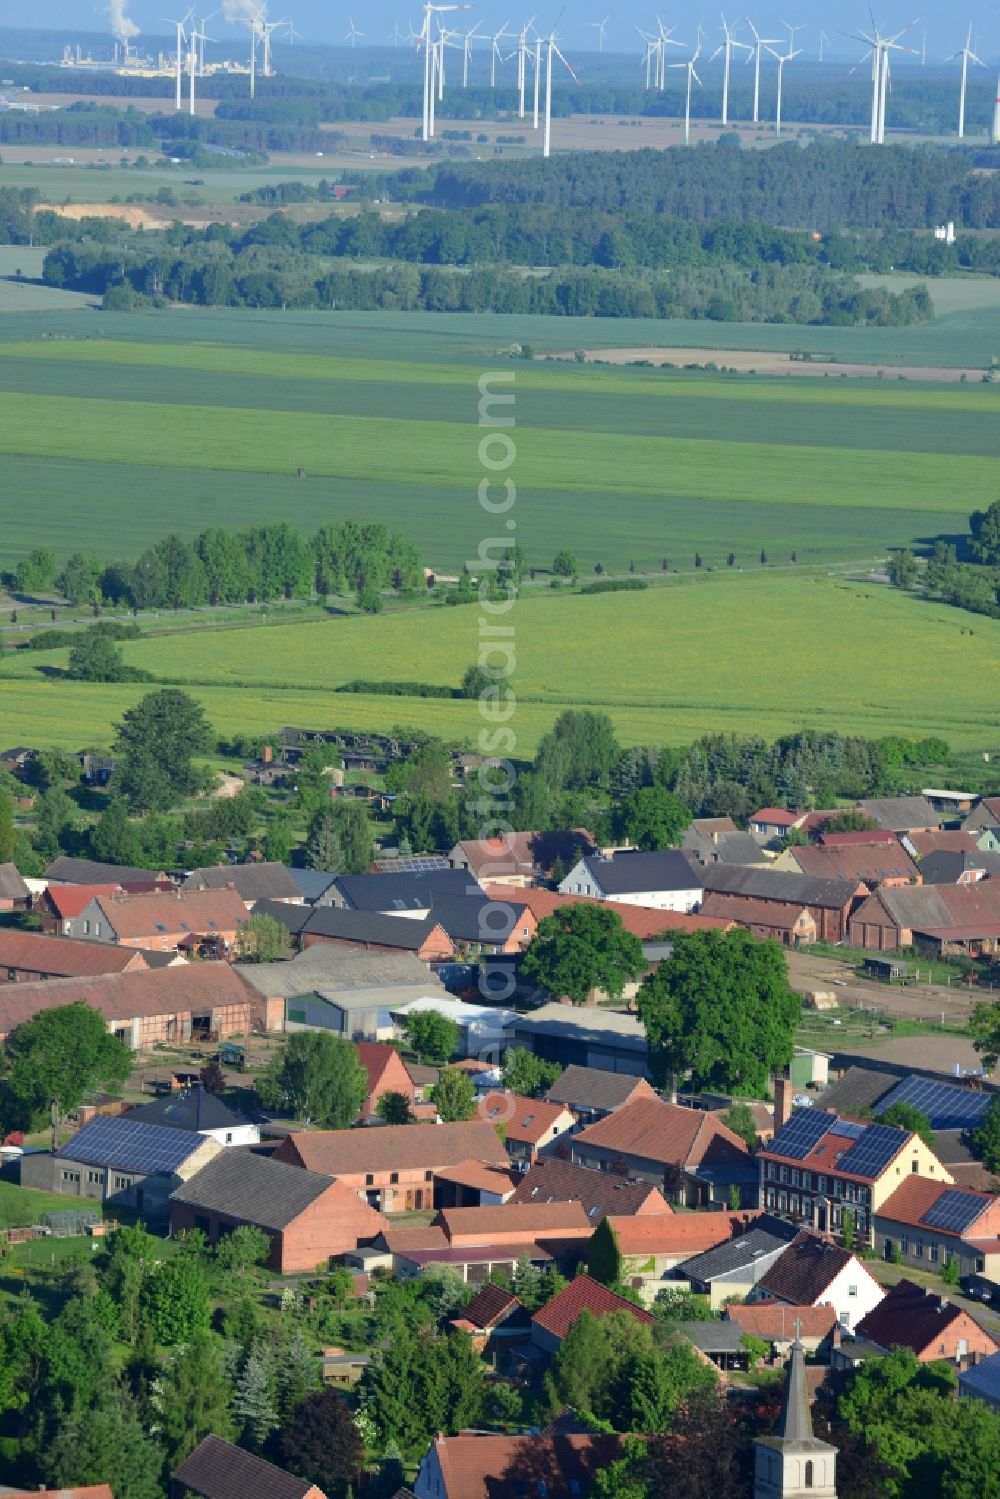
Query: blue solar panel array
(802, 1133)
(870, 1155)
(149, 1148)
(946, 1106)
(954, 1211)
(847, 1129)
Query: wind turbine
(522, 64)
(760, 44)
(600, 27)
(266, 28)
(395, 35)
(729, 46)
(495, 54)
(192, 60)
(782, 58)
(467, 52)
(879, 48)
(430, 47)
(550, 46)
(824, 42)
(181, 38)
(967, 55)
(352, 33)
(691, 74)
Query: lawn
(21, 1207)
(668, 664)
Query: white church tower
(793, 1464)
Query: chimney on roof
(267, 753)
(782, 1100)
(673, 1087)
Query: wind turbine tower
(601, 28)
(760, 45)
(550, 46)
(967, 55)
(729, 46)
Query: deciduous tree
(454, 1095)
(321, 1442)
(433, 1036)
(528, 1075)
(50, 1061)
(318, 1078)
(262, 939)
(580, 948)
(156, 743)
(652, 818)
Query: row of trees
(229, 567)
(211, 274)
(972, 584)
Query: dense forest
(102, 125)
(826, 184)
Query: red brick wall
(946, 1346)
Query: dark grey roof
(858, 1089)
(768, 1235)
(723, 848)
(131, 1145)
(982, 1380)
(67, 871)
(218, 1470)
(624, 874)
(599, 1192)
(773, 884)
(12, 886)
(945, 865)
(336, 968)
(268, 881)
(253, 1188)
(312, 883)
(473, 918)
(402, 892)
(900, 813)
(192, 1109)
(712, 1337)
(593, 1088)
(292, 918)
(406, 932)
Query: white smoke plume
(241, 10)
(121, 27)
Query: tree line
(233, 567)
(207, 272)
(972, 583)
(827, 184)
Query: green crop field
(119, 429)
(758, 652)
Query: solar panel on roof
(802, 1133)
(847, 1129)
(878, 1144)
(946, 1106)
(953, 1210)
(130, 1145)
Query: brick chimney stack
(782, 1100)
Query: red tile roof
(665, 1133)
(778, 1322)
(872, 836)
(69, 900)
(682, 1234)
(747, 912)
(777, 817)
(908, 1316)
(584, 1295)
(526, 1219)
(917, 1196)
(873, 862)
(62, 957)
(391, 1147)
(375, 1057)
(479, 1176)
(527, 1121)
(490, 1305)
(122, 996)
(491, 1467)
(198, 912)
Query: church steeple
(793, 1464)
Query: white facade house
(813, 1272)
(663, 880)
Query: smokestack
(782, 1100)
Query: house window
(11, 975)
(94, 1178)
(229, 1137)
(121, 1183)
(428, 1176)
(97, 928)
(795, 1177)
(852, 1290)
(918, 1249)
(932, 1253)
(394, 1178)
(980, 1265)
(772, 1171)
(784, 1174)
(369, 1180)
(821, 1184)
(837, 1187)
(914, 1167)
(809, 1475)
(904, 1244)
(71, 1176)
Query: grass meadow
(757, 652)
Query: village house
(769, 921)
(645, 922)
(27, 957)
(828, 902)
(653, 1245)
(600, 1192)
(692, 1156)
(478, 926)
(551, 1323)
(204, 1113)
(772, 823)
(58, 905)
(717, 840)
(778, 1324)
(664, 880)
(309, 1218)
(482, 1242)
(369, 931)
(932, 1327)
(88, 1491)
(819, 1167)
(121, 1163)
(928, 1224)
(813, 1272)
(162, 922)
(734, 1267)
(873, 865)
(938, 920)
(66, 870)
(14, 893)
(187, 1002)
(501, 1467)
(958, 867)
(387, 1073)
(216, 1469)
(900, 814)
(412, 894)
(393, 1167)
(591, 1094)
(496, 1322)
(519, 860)
(254, 881)
(584, 1036)
(530, 1125)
